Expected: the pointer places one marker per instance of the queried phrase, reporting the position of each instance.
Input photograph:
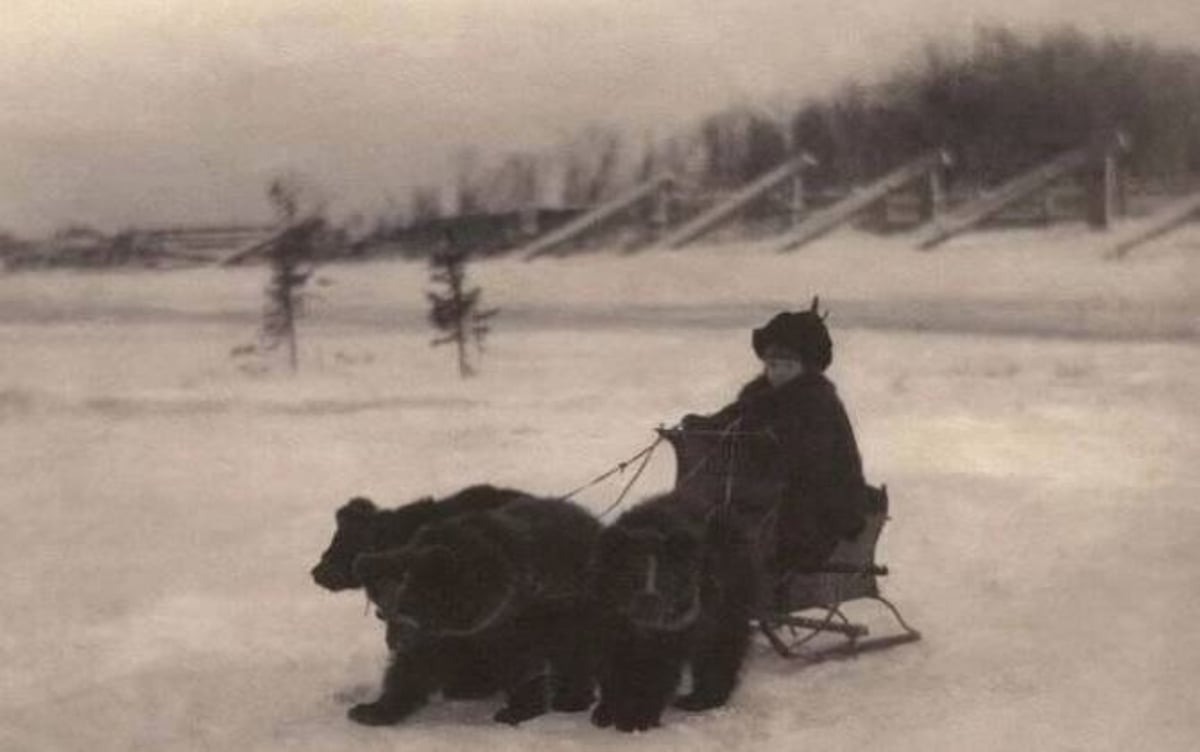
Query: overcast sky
(131, 112)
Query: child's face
(780, 369)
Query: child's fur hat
(803, 333)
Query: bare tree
(512, 185)
(425, 204)
(470, 177)
(591, 164)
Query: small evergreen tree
(292, 254)
(454, 308)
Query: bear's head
(650, 575)
(440, 586)
(362, 527)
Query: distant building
(12, 248)
(483, 234)
(202, 243)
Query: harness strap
(644, 455)
(637, 474)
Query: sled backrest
(717, 467)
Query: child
(825, 493)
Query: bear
(510, 583)
(673, 587)
(362, 527)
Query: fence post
(932, 195)
(660, 215)
(528, 219)
(797, 201)
(1102, 180)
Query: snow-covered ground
(1032, 406)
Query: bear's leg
(655, 680)
(527, 692)
(717, 657)
(615, 693)
(523, 670)
(471, 673)
(572, 661)
(715, 670)
(608, 675)
(638, 681)
(411, 677)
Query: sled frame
(743, 469)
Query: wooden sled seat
(745, 469)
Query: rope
(644, 455)
(637, 474)
(619, 468)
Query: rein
(644, 455)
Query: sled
(794, 606)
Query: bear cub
(511, 583)
(362, 527)
(674, 587)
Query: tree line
(1000, 104)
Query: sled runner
(743, 471)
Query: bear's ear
(358, 508)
